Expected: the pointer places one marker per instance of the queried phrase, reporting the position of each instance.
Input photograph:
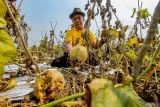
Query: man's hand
(105, 35)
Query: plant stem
(20, 36)
(150, 36)
(56, 102)
(156, 78)
(151, 62)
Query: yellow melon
(48, 85)
(79, 54)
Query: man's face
(77, 21)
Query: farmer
(74, 36)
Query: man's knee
(61, 62)
(55, 63)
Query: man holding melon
(76, 43)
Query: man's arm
(69, 47)
(68, 41)
(95, 43)
(98, 44)
(104, 37)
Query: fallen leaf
(10, 84)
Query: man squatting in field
(75, 36)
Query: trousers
(63, 61)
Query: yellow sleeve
(92, 38)
(68, 37)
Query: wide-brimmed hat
(76, 11)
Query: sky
(39, 13)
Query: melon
(48, 85)
(79, 55)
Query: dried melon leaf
(11, 83)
